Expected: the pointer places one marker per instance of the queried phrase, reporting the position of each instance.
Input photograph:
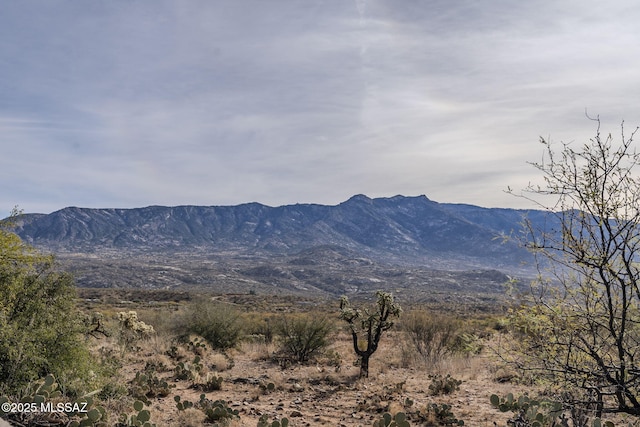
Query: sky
(131, 103)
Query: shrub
(220, 324)
(41, 330)
(260, 328)
(433, 336)
(303, 335)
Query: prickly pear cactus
(398, 420)
(264, 422)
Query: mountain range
(414, 232)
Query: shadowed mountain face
(398, 230)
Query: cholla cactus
(129, 320)
(132, 329)
(368, 324)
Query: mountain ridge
(400, 229)
(416, 247)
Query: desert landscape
(376, 312)
(260, 378)
(439, 363)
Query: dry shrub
(191, 417)
(221, 325)
(433, 336)
(162, 319)
(259, 327)
(302, 336)
(257, 351)
(219, 362)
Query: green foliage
(188, 370)
(147, 385)
(141, 417)
(442, 415)
(261, 328)
(197, 346)
(387, 420)
(217, 412)
(78, 413)
(182, 404)
(132, 330)
(112, 390)
(303, 336)
(578, 325)
(173, 352)
(443, 385)
(220, 324)
(41, 329)
(368, 324)
(263, 421)
(468, 344)
(540, 413)
(267, 387)
(210, 382)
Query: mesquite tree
(368, 324)
(41, 331)
(581, 324)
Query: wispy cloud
(133, 103)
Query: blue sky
(129, 103)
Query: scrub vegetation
(560, 351)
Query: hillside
(257, 245)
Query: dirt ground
(327, 392)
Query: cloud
(126, 104)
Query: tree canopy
(580, 325)
(40, 326)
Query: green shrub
(188, 370)
(260, 328)
(303, 336)
(543, 412)
(148, 384)
(220, 324)
(41, 330)
(182, 405)
(443, 415)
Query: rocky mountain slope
(252, 241)
(397, 229)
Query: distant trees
(580, 324)
(368, 324)
(40, 328)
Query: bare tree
(581, 323)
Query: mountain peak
(359, 198)
(394, 229)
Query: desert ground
(257, 379)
